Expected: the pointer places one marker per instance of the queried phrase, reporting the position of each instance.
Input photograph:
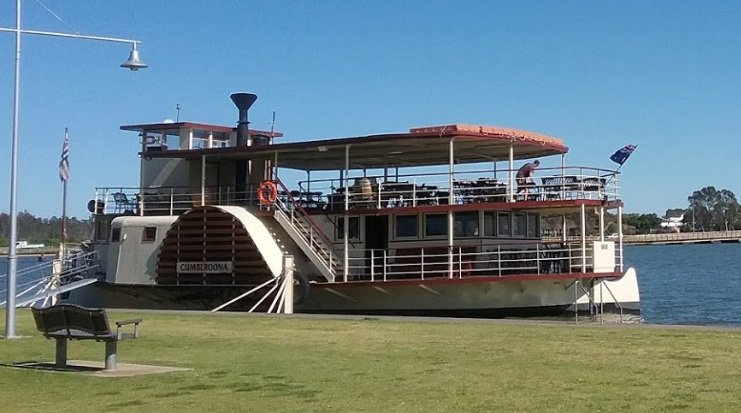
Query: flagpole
(62, 251)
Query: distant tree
(44, 230)
(643, 223)
(714, 210)
(674, 213)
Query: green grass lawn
(284, 364)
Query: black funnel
(243, 101)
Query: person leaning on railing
(523, 174)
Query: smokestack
(243, 101)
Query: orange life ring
(267, 193)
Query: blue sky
(661, 75)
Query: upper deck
(451, 166)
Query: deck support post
(583, 219)
(346, 230)
(203, 180)
(451, 198)
(511, 188)
(620, 235)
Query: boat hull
(490, 297)
(476, 296)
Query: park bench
(65, 322)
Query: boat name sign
(207, 267)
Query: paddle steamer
(428, 222)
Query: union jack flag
(622, 154)
(64, 161)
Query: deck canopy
(419, 147)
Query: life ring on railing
(267, 193)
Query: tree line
(47, 231)
(708, 209)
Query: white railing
(461, 262)
(165, 200)
(420, 189)
(51, 275)
(399, 190)
(304, 226)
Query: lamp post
(132, 63)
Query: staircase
(307, 235)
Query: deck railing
(420, 189)
(401, 190)
(462, 262)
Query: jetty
(45, 251)
(706, 237)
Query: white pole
(451, 198)
(346, 230)
(12, 259)
(583, 219)
(512, 171)
(620, 235)
(288, 291)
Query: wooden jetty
(707, 237)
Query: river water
(695, 284)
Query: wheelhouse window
(405, 226)
(101, 233)
(533, 229)
(149, 234)
(436, 225)
(466, 224)
(353, 229)
(503, 225)
(519, 224)
(490, 221)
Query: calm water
(680, 284)
(688, 284)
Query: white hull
(476, 296)
(489, 296)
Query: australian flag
(622, 154)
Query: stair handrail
(314, 237)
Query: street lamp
(132, 63)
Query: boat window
(436, 225)
(101, 233)
(149, 234)
(466, 224)
(532, 226)
(490, 224)
(116, 235)
(353, 230)
(405, 226)
(503, 225)
(518, 227)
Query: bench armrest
(119, 325)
